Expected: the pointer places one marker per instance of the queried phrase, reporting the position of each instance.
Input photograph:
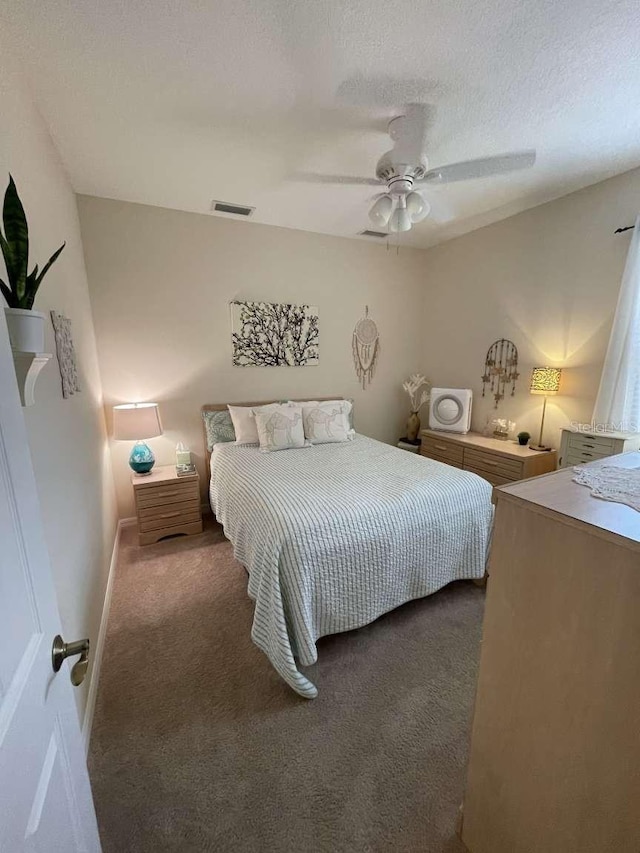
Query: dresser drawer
(160, 495)
(162, 511)
(491, 477)
(443, 450)
(579, 442)
(441, 459)
(168, 519)
(511, 469)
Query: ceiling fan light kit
(405, 168)
(400, 218)
(380, 213)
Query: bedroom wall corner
(548, 279)
(67, 438)
(161, 309)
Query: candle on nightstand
(183, 455)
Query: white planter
(26, 329)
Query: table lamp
(136, 422)
(544, 380)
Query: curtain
(618, 401)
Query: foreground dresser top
(558, 494)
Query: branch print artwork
(268, 334)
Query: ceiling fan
(405, 169)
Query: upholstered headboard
(220, 407)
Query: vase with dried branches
(418, 388)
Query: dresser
(555, 744)
(577, 447)
(497, 461)
(166, 504)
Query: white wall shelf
(28, 366)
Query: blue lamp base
(142, 459)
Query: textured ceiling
(178, 102)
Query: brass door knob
(61, 650)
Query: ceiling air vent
(368, 233)
(234, 209)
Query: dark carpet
(199, 746)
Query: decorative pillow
(219, 428)
(244, 423)
(349, 407)
(280, 427)
(327, 422)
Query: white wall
(161, 282)
(67, 437)
(548, 279)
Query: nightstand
(166, 504)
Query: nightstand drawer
(160, 495)
(445, 451)
(499, 465)
(145, 513)
(574, 458)
(596, 444)
(169, 519)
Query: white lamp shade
(134, 421)
(417, 206)
(381, 211)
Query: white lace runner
(611, 483)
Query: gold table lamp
(544, 380)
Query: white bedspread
(335, 535)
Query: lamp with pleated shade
(136, 422)
(544, 380)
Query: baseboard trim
(98, 650)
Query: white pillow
(244, 423)
(327, 421)
(279, 427)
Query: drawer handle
(588, 445)
(587, 454)
(441, 447)
(488, 462)
(169, 514)
(168, 494)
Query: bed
(335, 535)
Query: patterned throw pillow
(327, 422)
(219, 428)
(280, 427)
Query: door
(45, 797)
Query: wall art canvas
(268, 334)
(66, 354)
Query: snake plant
(23, 285)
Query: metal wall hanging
(366, 347)
(500, 369)
(268, 334)
(66, 354)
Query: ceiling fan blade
(481, 168)
(440, 212)
(409, 132)
(317, 178)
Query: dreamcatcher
(366, 346)
(500, 369)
